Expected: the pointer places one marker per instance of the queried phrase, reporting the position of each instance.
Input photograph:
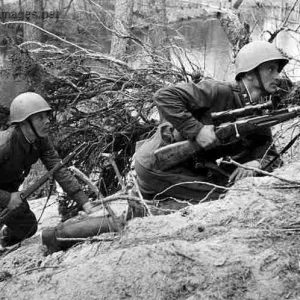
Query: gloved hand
(15, 201)
(207, 138)
(240, 172)
(89, 208)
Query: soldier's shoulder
(222, 85)
(6, 136)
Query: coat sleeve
(5, 137)
(4, 199)
(184, 106)
(63, 176)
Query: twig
(140, 195)
(116, 220)
(115, 167)
(288, 15)
(87, 51)
(38, 268)
(232, 162)
(185, 256)
(26, 271)
(288, 229)
(67, 8)
(198, 182)
(13, 248)
(47, 32)
(117, 196)
(176, 251)
(207, 196)
(165, 210)
(86, 180)
(284, 187)
(176, 200)
(89, 239)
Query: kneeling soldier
(21, 145)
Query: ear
(23, 123)
(250, 76)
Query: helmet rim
(256, 53)
(25, 105)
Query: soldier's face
(269, 73)
(41, 123)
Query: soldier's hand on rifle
(15, 201)
(207, 138)
(241, 172)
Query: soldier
(21, 145)
(185, 111)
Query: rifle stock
(6, 213)
(173, 154)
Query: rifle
(6, 213)
(173, 154)
(234, 114)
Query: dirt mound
(244, 246)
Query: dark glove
(240, 172)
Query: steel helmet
(25, 105)
(255, 53)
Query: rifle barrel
(173, 154)
(6, 213)
(279, 116)
(32, 188)
(232, 115)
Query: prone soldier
(185, 111)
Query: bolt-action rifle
(173, 154)
(6, 213)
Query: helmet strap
(33, 128)
(249, 95)
(261, 85)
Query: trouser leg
(178, 183)
(21, 225)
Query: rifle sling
(286, 148)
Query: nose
(277, 76)
(46, 120)
(47, 117)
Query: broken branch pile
(95, 98)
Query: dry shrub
(110, 108)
